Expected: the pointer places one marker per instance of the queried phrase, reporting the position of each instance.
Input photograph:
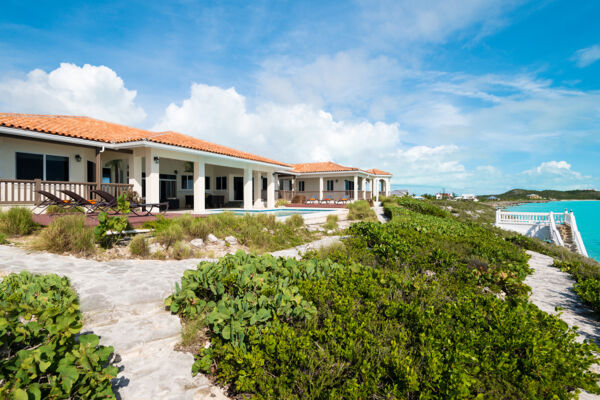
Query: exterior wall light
(156, 159)
(77, 158)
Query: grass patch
(3, 238)
(139, 246)
(281, 203)
(17, 221)
(331, 223)
(54, 209)
(361, 211)
(261, 233)
(67, 234)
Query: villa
(57, 152)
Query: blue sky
(470, 95)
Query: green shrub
(3, 238)
(181, 250)
(589, 291)
(110, 229)
(139, 246)
(361, 211)
(170, 235)
(424, 207)
(17, 221)
(331, 223)
(281, 203)
(42, 355)
(54, 209)
(67, 234)
(295, 221)
(261, 232)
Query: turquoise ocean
(587, 215)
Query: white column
(199, 187)
(257, 189)
(152, 178)
(247, 188)
(364, 188)
(320, 188)
(377, 189)
(135, 171)
(230, 192)
(355, 187)
(270, 190)
(387, 187)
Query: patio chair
(79, 201)
(326, 200)
(52, 200)
(145, 207)
(343, 200)
(312, 200)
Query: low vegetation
(17, 221)
(139, 246)
(361, 211)
(426, 306)
(54, 209)
(67, 234)
(43, 355)
(331, 223)
(260, 233)
(281, 203)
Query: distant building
(400, 193)
(534, 196)
(447, 196)
(467, 196)
(493, 198)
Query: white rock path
(551, 288)
(122, 302)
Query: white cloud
(424, 165)
(290, 133)
(555, 174)
(434, 20)
(94, 91)
(587, 56)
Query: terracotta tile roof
(327, 166)
(376, 171)
(181, 140)
(76, 127)
(107, 132)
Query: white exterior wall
(539, 231)
(8, 160)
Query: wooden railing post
(36, 194)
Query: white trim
(126, 145)
(325, 174)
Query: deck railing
(508, 217)
(20, 191)
(333, 195)
(554, 233)
(570, 220)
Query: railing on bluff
(541, 225)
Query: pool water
(278, 212)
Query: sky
(469, 96)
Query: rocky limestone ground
(551, 288)
(122, 302)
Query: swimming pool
(278, 212)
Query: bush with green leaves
(361, 211)
(422, 317)
(110, 228)
(17, 221)
(294, 221)
(67, 234)
(424, 207)
(43, 355)
(3, 238)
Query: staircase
(567, 235)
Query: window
(30, 166)
(330, 185)
(91, 171)
(168, 186)
(57, 168)
(187, 182)
(349, 185)
(301, 186)
(207, 183)
(221, 183)
(41, 166)
(264, 183)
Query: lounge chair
(326, 200)
(343, 200)
(79, 201)
(312, 200)
(145, 207)
(52, 200)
